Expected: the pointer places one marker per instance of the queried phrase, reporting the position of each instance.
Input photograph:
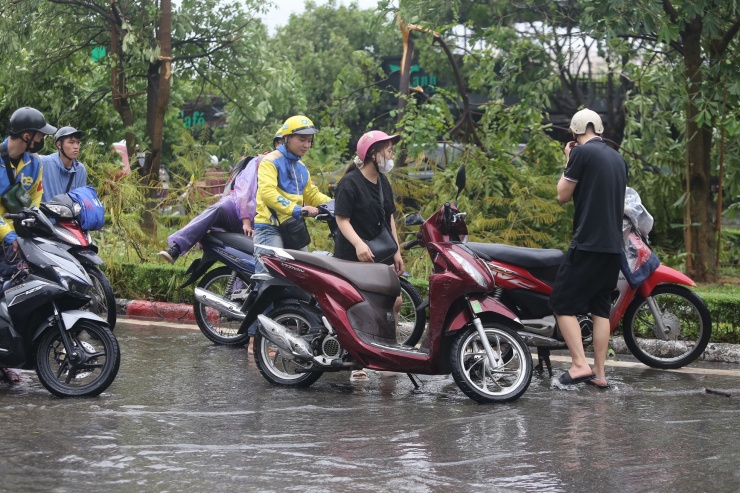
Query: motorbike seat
(239, 241)
(374, 278)
(529, 258)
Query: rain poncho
(638, 259)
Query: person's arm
(397, 258)
(569, 179)
(364, 254)
(312, 195)
(566, 188)
(7, 233)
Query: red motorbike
(470, 334)
(664, 324)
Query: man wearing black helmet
(20, 165)
(62, 171)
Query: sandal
(358, 375)
(11, 375)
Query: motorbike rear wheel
(687, 322)
(90, 372)
(103, 302)
(474, 375)
(411, 323)
(217, 327)
(277, 368)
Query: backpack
(92, 216)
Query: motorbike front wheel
(687, 327)
(88, 371)
(277, 368)
(507, 380)
(217, 327)
(411, 323)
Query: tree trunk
(119, 92)
(700, 232)
(158, 99)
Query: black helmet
(66, 132)
(29, 119)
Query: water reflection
(184, 414)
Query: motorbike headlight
(470, 269)
(61, 211)
(72, 282)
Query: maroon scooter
(470, 334)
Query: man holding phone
(595, 177)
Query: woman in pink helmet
(358, 209)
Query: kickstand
(543, 356)
(413, 380)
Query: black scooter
(67, 230)
(74, 352)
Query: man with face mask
(364, 208)
(62, 171)
(26, 131)
(21, 165)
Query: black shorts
(585, 283)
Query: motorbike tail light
(68, 236)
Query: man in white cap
(595, 178)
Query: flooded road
(184, 414)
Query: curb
(715, 352)
(155, 309)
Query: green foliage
(154, 282)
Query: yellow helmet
(279, 133)
(298, 125)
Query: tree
(699, 39)
(211, 45)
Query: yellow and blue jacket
(27, 173)
(284, 185)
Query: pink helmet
(372, 137)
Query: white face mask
(385, 165)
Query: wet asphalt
(186, 415)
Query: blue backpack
(92, 216)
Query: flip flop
(591, 382)
(566, 379)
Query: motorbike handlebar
(8, 215)
(410, 244)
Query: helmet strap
(61, 149)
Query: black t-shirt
(359, 199)
(601, 174)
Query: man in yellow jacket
(284, 187)
(20, 164)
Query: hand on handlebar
(309, 211)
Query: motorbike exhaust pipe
(294, 346)
(219, 303)
(537, 340)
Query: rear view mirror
(460, 180)
(413, 219)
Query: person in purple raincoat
(234, 213)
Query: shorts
(585, 283)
